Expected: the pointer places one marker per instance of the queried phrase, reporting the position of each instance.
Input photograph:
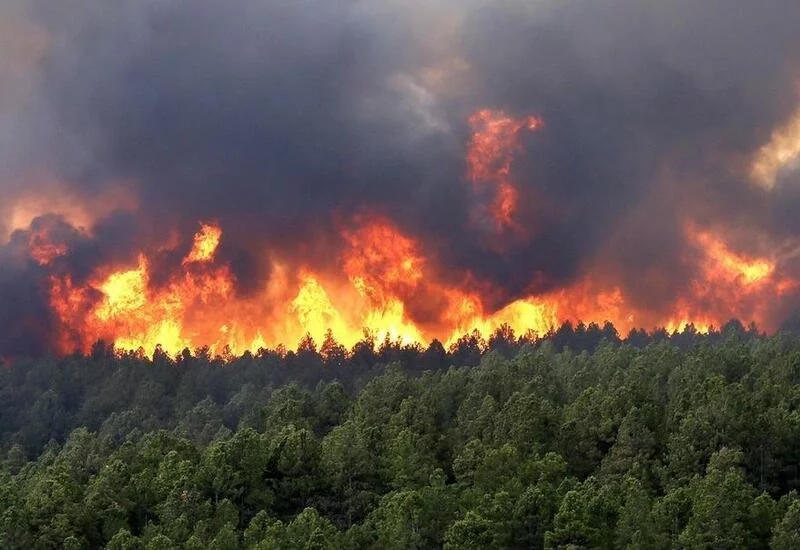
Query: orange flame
(489, 157)
(206, 242)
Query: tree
(786, 535)
(333, 353)
(348, 463)
(307, 531)
(635, 527)
(226, 539)
(721, 503)
(490, 525)
(123, 540)
(587, 517)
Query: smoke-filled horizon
(618, 152)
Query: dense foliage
(577, 440)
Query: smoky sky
(282, 119)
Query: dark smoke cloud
(282, 119)
(24, 316)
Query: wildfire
(133, 314)
(385, 281)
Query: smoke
(282, 120)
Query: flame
(314, 309)
(199, 307)
(133, 314)
(380, 258)
(489, 156)
(206, 242)
(124, 292)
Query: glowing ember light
(489, 156)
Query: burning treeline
(383, 282)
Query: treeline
(575, 440)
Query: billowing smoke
(284, 121)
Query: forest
(577, 439)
